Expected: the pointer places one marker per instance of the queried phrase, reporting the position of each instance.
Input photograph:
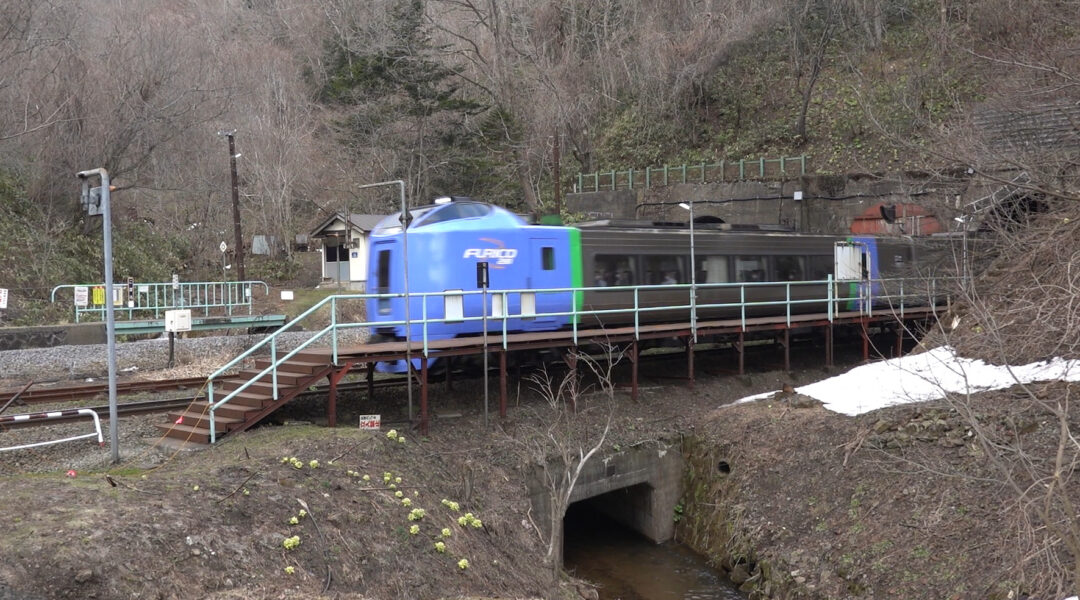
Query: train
(605, 273)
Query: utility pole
(98, 204)
(558, 182)
(237, 233)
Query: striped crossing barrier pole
(44, 416)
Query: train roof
(701, 224)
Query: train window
(382, 281)
(547, 257)
(663, 270)
(749, 268)
(714, 270)
(819, 268)
(610, 269)
(788, 268)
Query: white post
(693, 271)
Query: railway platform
(250, 388)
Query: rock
(84, 576)
(739, 574)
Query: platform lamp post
(97, 203)
(405, 220)
(693, 270)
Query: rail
(60, 414)
(862, 296)
(702, 172)
(143, 299)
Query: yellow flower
(293, 521)
(446, 532)
(366, 478)
(401, 440)
(463, 564)
(440, 547)
(399, 494)
(291, 542)
(289, 570)
(406, 502)
(415, 529)
(314, 464)
(392, 434)
(195, 488)
(397, 480)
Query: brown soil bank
(797, 501)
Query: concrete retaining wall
(829, 205)
(78, 334)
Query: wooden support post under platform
(449, 366)
(502, 384)
(787, 349)
(335, 377)
(899, 338)
(571, 362)
(741, 347)
(690, 360)
(371, 381)
(423, 396)
(828, 346)
(633, 370)
(865, 328)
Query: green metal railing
(894, 293)
(725, 170)
(153, 299)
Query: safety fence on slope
(703, 172)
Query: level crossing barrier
(46, 416)
(861, 297)
(141, 300)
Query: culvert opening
(624, 564)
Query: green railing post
(630, 177)
(684, 173)
(742, 169)
(580, 182)
(665, 174)
(761, 168)
(723, 172)
(613, 180)
(648, 174)
(783, 171)
(596, 181)
(702, 171)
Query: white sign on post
(3, 298)
(223, 247)
(370, 421)
(82, 296)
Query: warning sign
(3, 298)
(370, 421)
(82, 295)
(99, 295)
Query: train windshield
(392, 224)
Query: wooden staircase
(249, 406)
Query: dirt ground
(894, 504)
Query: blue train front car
(444, 242)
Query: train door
(854, 265)
(544, 269)
(851, 261)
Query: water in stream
(626, 566)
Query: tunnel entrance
(625, 564)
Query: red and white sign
(370, 421)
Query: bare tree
(575, 422)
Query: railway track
(82, 391)
(142, 407)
